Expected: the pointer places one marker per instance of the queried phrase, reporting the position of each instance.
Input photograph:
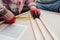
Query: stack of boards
(45, 28)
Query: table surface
(50, 19)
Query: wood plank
(29, 35)
(45, 33)
(52, 22)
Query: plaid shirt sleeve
(31, 3)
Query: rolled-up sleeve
(31, 3)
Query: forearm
(6, 15)
(31, 3)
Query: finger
(38, 12)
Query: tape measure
(23, 17)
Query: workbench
(45, 28)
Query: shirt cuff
(31, 4)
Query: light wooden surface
(28, 35)
(51, 21)
(36, 29)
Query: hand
(35, 12)
(8, 16)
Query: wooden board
(36, 27)
(52, 22)
(45, 35)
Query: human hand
(35, 12)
